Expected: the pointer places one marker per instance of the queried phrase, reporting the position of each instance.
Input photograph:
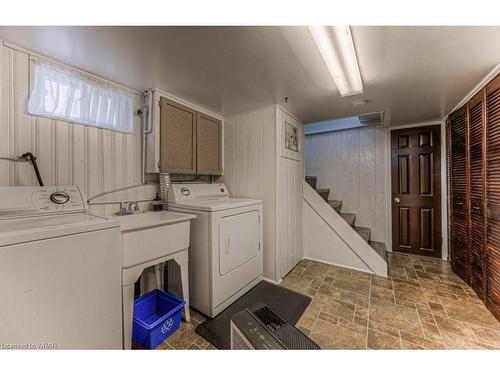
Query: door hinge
(259, 246)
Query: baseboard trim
(272, 281)
(338, 265)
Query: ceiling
(414, 74)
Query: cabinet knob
(397, 200)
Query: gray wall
(353, 164)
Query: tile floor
(422, 305)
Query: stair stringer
(329, 238)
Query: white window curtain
(74, 98)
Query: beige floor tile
(426, 317)
(354, 298)
(304, 330)
(352, 283)
(431, 332)
(409, 293)
(381, 282)
(329, 291)
(333, 307)
(309, 317)
(331, 336)
(383, 294)
(299, 284)
(193, 346)
(388, 330)
(473, 314)
(399, 317)
(202, 343)
(361, 312)
(183, 337)
(422, 341)
(328, 280)
(456, 342)
(405, 345)
(379, 340)
(486, 335)
(455, 327)
(353, 326)
(328, 318)
(437, 309)
(398, 280)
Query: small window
(74, 98)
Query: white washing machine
(60, 271)
(225, 253)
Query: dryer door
(238, 240)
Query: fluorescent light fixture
(337, 48)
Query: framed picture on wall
(291, 137)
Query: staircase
(350, 218)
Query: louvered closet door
(493, 195)
(459, 203)
(476, 195)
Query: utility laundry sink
(150, 235)
(149, 239)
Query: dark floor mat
(287, 303)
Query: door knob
(397, 200)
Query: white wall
(250, 169)
(289, 195)
(353, 164)
(323, 244)
(254, 168)
(67, 154)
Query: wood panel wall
(67, 154)
(353, 164)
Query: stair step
(336, 205)
(312, 180)
(324, 193)
(350, 218)
(364, 232)
(379, 247)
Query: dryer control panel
(26, 200)
(190, 191)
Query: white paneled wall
(289, 195)
(250, 169)
(67, 154)
(353, 164)
(254, 168)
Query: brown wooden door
(416, 191)
(209, 145)
(177, 138)
(493, 195)
(459, 204)
(475, 113)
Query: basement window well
(75, 98)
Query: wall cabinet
(190, 141)
(473, 161)
(208, 146)
(172, 142)
(177, 138)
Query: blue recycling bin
(157, 315)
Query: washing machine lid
(34, 228)
(215, 204)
